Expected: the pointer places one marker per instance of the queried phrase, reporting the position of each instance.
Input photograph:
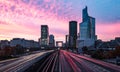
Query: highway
(57, 61)
(21, 63)
(48, 64)
(66, 61)
(80, 63)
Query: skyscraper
(51, 41)
(44, 35)
(87, 30)
(85, 16)
(66, 40)
(72, 33)
(87, 27)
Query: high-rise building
(51, 41)
(72, 33)
(44, 35)
(87, 27)
(85, 15)
(87, 30)
(66, 40)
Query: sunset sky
(22, 18)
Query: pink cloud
(108, 31)
(22, 18)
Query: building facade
(87, 27)
(66, 40)
(72, 33)
(24, 43)
(51, 41)
(4, 43)
(44, 35)
(87, 30)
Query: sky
(23, 18)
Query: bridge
(56, 61)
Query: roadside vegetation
(102, 54)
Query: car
(118, 60)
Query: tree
(85, 49)
(117, 51)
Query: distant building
(39, 40)
(44, 35)
(117, 39)
(108, 45)
(51, 41)
(96, 37)
(87, 30)
(72, 33)
(18, 41)
(59, 43)
(4, 43)
(24, 43)
(66, 40)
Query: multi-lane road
(56, 61)
(21, 63)
(70, 62)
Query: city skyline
(23, 18)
